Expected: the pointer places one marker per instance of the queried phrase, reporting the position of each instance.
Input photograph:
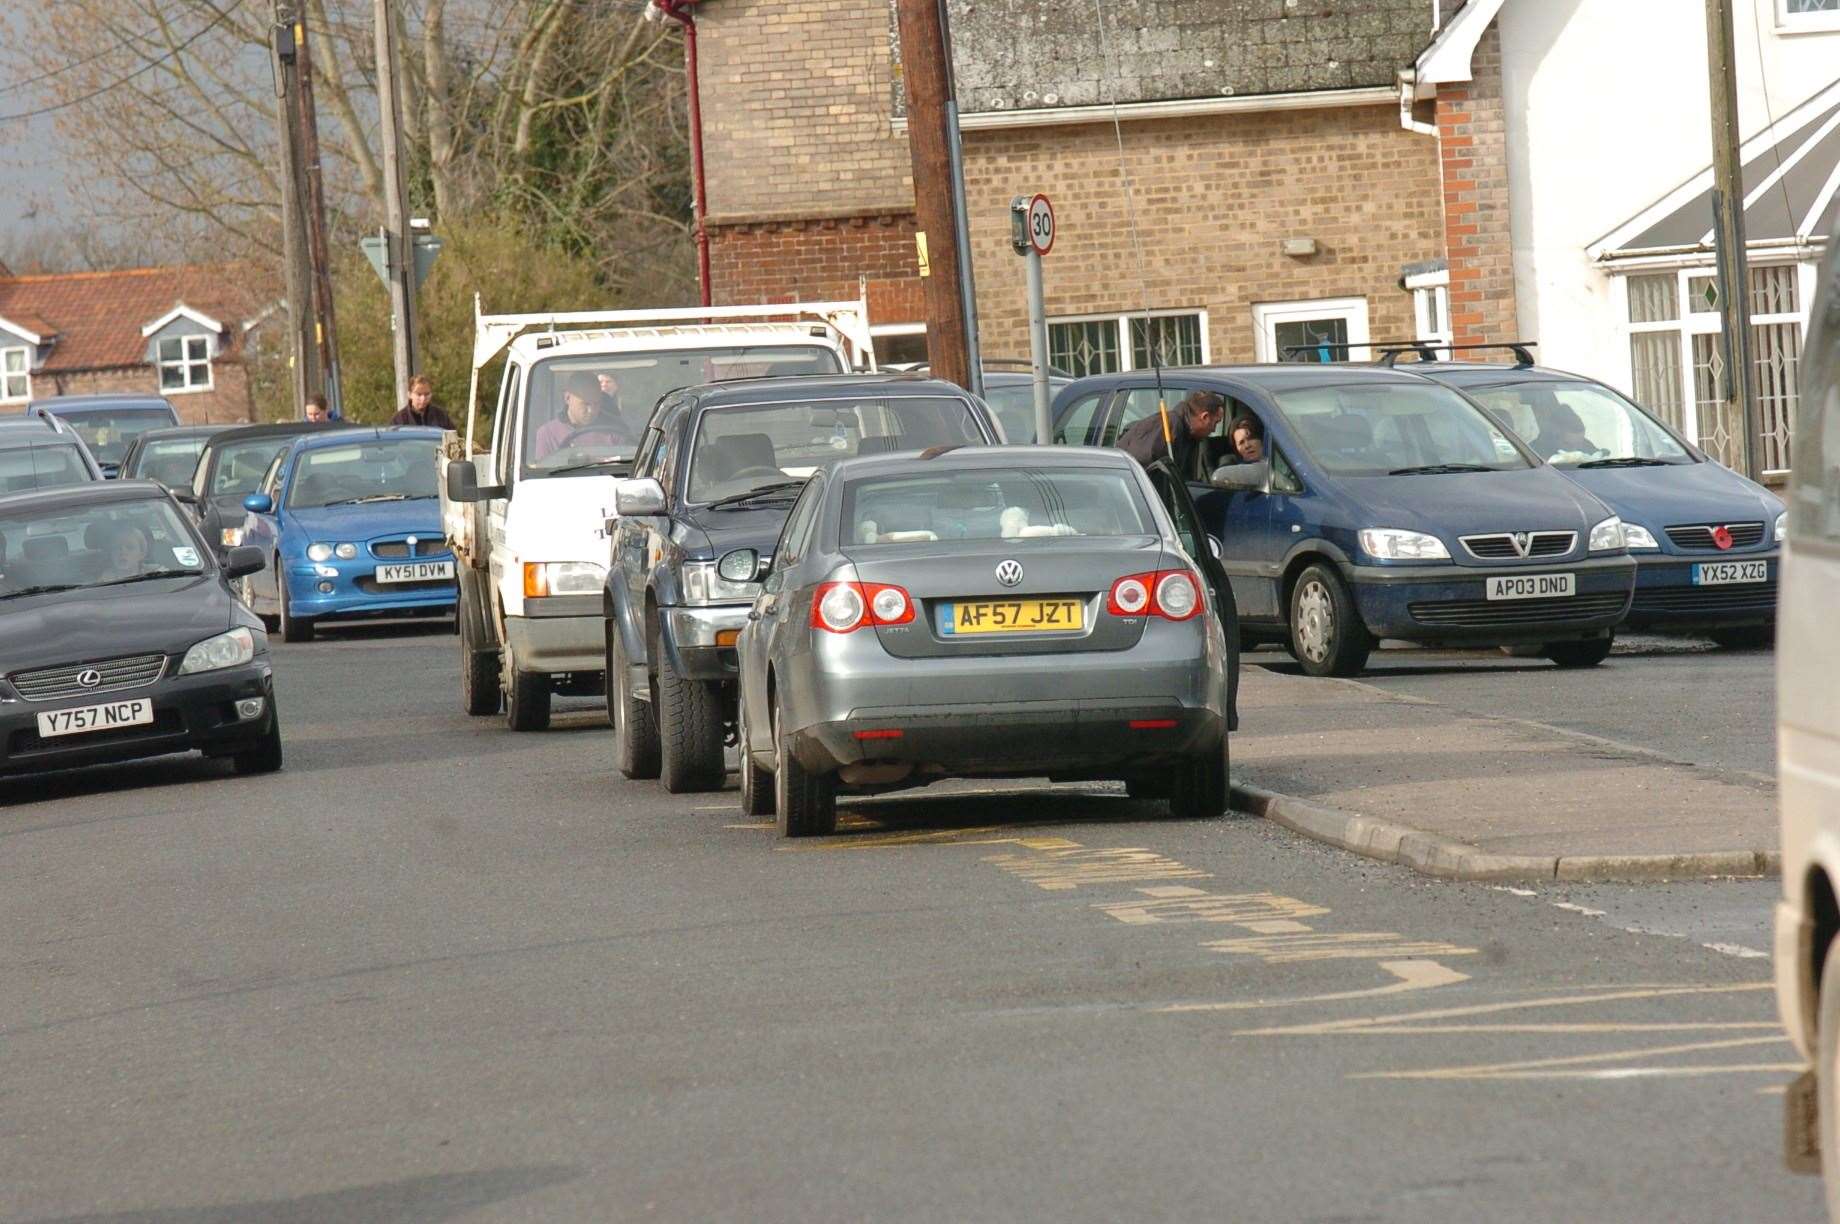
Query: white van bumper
(561, 633)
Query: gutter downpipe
(679, 11)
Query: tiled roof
(97, 316)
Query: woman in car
(1247, 433)
(124, 549)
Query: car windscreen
(1366, 429)
(1013, 404)
(171, 461)
(590, 409)
(24, 468)
(107, 434)
(391, 469)
(751, 447)
(95, 545)
(240, 465)
(986, 503)
(1580, 424)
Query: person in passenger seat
(1247, 434)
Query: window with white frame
(1108, 344)
(1793, 15)
(185, 363)
(1677, 359)
(1322, 329)
(1431, 306)
(15, 375)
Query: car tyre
(690, 728)
(1327, 635)
(265, 757)
(526, 696)
(756, 783)
(1744, 637)
(806, 803)
(1579, 654)
(293, 629)
(480, 690)
(635, 727)
(1198, 791)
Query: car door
(506, 450)
(263, 531)
(1074, 425)
(640, 542)
(1172, 491)
(774, 611)
(1133, 404)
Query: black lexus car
(119, 637)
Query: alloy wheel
(1315, 621)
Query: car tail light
(845, 607)
(1171, 594)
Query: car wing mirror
(259, 503)
(1242, 477)
(463, 484)
(641, 498)
(242, 561)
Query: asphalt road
(1680, 697)
(435, 971)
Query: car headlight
(703, 584)
(319, 552)
(1636, 536)
(1608, 535)
(230, 649)
(1782, 527)
(1394, 544)
(544, 578)
(231, 537)
(345, 552)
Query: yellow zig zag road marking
(1538, 1068)
(1484, 1009)
(1412, 975)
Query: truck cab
(528, 492)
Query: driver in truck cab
(582, 420)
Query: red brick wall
(813, 260)
(1472, 143)
(227, 400)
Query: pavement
(1655, 765)
(437, 971)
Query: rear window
(755, 446)
(993, 504)
(107, 434)
(25, 468)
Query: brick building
(181, 332)
(1253, 173)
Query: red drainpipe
(679, 11)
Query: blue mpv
(1706, 541)
(1388, 506)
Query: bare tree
(564, 115)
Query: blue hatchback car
(350, 521)
(1707, 542)
(1387, 506)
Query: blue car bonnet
(1657, 497)
(1471, 503)
(365, 521)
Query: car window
(587, 407)
(170, 461)
(241, 465)
(1377, 430)
(501, 419)
(1077, 423)
(108, 434)
(1138, 404)
(389, 469)
(1571, 423)
(1013, 404)
(271, 479)
(647, 453)
(985, 503)
(795, 540)
(94, 545)
(749, 446)
(1283, 475)
(24, 468)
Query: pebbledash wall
(810, 192)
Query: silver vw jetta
(998, 612)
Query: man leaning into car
(1193, 419)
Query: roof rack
(1343, 348)
(1428, 351)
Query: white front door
(1328, 329)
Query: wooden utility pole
(398, 240)
(326, 333)
(926, 73)
(303, 355)
(1740, 401)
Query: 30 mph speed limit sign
(1041, 225)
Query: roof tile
(97, 316)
